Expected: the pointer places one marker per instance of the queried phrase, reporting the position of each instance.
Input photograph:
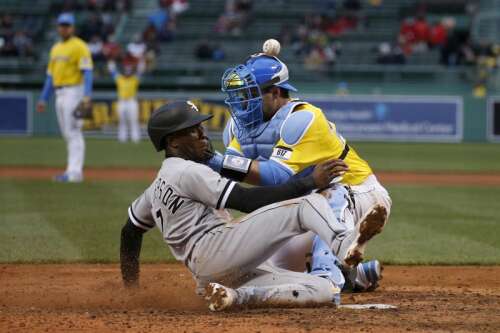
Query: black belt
(344, 152)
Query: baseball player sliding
(127, 84)
(69, 73)
(228, 257)
(283, 138)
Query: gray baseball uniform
(184, 202)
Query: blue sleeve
(272, 173)
(114, 74)
(87, 82)
(48, 88)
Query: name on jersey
(167, 196)
(283, 153)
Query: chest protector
(260, 146)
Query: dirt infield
(89, 298)
(133, 174)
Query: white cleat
(219, 298)
(371, 224)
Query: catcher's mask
(244, 84)
(173, 117)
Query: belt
(66, 86)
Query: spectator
(162, 23)
(23, 44)
(236, 17)
(207, 51)
(92, 26)
(421, 30)
(352, 5)
(137, 48)
(111, 49)
(96, 47)
(8, 48)
(388, 55)
(438, 35)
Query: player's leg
(268, 285)
(66, 101)
(135, 130)
(233, 249)
(76, 143)
(367, 194)
(293, 255)
(122, 121)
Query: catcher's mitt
(83, 110)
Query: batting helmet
(244, 84)
(172, 117)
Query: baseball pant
(293, 255)
(235, 254)
(67, 99)
(128, 114)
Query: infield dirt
(90, 298)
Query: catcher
(228, 257)
(285, 138)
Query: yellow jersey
(67, 60)
(320, 142)
(127, 86)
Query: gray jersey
(182, 202)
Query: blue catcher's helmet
(244, 85)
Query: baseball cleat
(219, 298)
(66, 178)
(369, 274)
(370, 225)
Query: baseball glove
(83, 110)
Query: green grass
(468, 157)
(43, 221)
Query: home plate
(367, 306)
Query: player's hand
(41, 106)
(325, 172)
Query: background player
(69, 72)
(184, 202)
(127, 85)
(286, 138)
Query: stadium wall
(19, 118)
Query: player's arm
(48, 88)
(249, 199)
(113, 70)
(139, 221)
(130, 250)
(85, 64)
(212, 189)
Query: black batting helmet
(172, 117)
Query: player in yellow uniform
(69, 73)
(286, 138)
(127, 85)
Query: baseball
(271, 47)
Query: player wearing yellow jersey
(286, 138)
(69, 73)
(127, 85)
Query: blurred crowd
(315, 40)
(100, 19)
(16, 35)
